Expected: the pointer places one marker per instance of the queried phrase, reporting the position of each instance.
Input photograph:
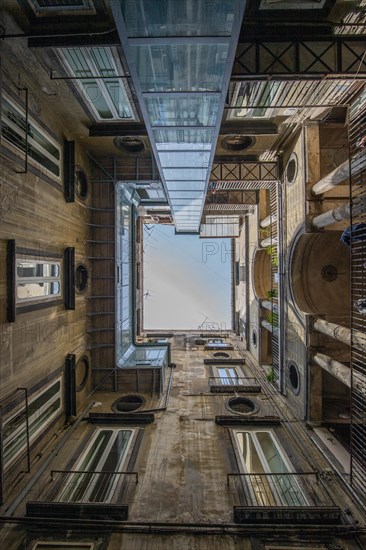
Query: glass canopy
(180, 54)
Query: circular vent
(329, 273)
(82, 373)
(128, 403)
(81, 278)
(221, 355)
(294, 377)
(132, 145)
(237, 143)
(291, 169)
(242, 405)
(81, 183)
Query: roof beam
(310, 59)
(106, 38)
(249, 127)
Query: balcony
(243, 384)
(85, 494)
(283, 498)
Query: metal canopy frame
(231, 40)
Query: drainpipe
(342, 334)
(43, 467)
(269, 305)
(339, 174)
(267, 325)
(166, 400)
(269, 220)
(268, 242)
(335, 368)
(339, 213)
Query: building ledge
(87, 510)
(121, 418)
(224, 420)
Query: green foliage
(272, 293)
(274, 259)
(271, 376)
(272, 251)
(273, 318)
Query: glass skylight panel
(180, 67)
(185, 159)
(183, 111)
(183, 136)
(178, 17)
(185, 195)
(186, 186)
(177, 174)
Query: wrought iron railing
(81, 486)
(279, 490)
(240, 384)
(357, 145)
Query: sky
(187, 281)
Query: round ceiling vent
(291, 169)
(237, 143)
(80, 183)
(294, 377)
(81, 277)
(329, 273)
(221, 355)
(132, 145)
(128, 403)
(82, 372)
(242, 405)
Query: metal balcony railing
(101, 487)
(243, 384)
(285, 490)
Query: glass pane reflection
(178, 17)
(180, 67)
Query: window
(106, 94)
(43, 408)
(97, 473)
(64, 7)
(291, 4)
(37, 279)
(269, 482)
(228, 376)
(254, 100)
(42, 149)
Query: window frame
(46, 279)
(277, 444)
(92, 440)
(86, 8)
(33, 437)
(100, 84)
(238, 372)
(276, 495)
(38, 147)
(254, 97)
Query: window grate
(357, 143)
